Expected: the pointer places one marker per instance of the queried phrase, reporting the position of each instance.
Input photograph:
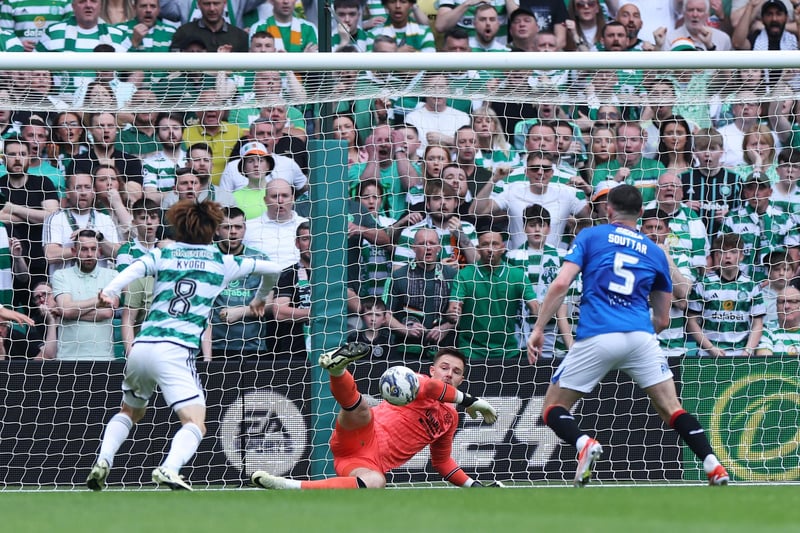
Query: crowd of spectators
(460, 208)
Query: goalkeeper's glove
(493, 484)
(475, 405)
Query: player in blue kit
(622, 271)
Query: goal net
(406, 168)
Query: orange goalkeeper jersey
(402, 431)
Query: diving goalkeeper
(370, 441)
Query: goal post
(328, 325)
(276, 413)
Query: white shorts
(637, 353)
(168, 365)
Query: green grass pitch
(554, 510)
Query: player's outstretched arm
(443, 392)
(132, 272)
(14, 316)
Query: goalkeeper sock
(692, 433)
(562, 423)
(184, 445)
(116, 432)
(333, 483)
(345, 392)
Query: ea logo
(263, 430)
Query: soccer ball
(399, 385)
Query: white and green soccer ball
(399, 385)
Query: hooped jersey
(188, 278)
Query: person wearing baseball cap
(601, 190)
(255, 148)
(522, 30)
(774, 15)
(255, 164)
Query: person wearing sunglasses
(562, 201)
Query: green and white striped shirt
(727, 309)
(491, 158)
(404, 252)
(644, 175)
(691, 234)
(188, 278)
(67, 36)
(420, 38)
(761, 234)
(362, 40)
(130, 252)
(9, 42)
(29, 19)
(158, 38)
(673, 337)
(542, 266)
(158, 171)
(375, 8)
(375, 262)
(573, 301)
(788, 203)
(780, 341)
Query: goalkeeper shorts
(355, 448)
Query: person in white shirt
(561, 201)
(284, 167)
(436, 122)
(274, 232)
(745, 116)
(695, 26)
(85, 331)
(61, 228)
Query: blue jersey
(620, 268)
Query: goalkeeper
(370, 441)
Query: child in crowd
(542, 262)
(726, 308)
(374, 329)
(348, 14)
(779, 274)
